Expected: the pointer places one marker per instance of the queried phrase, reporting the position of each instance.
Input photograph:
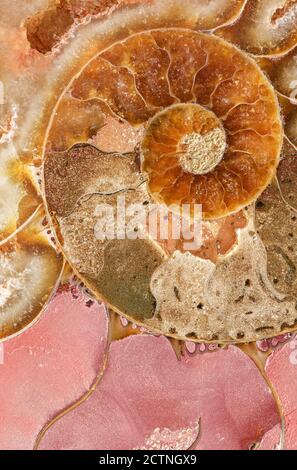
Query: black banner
(132, 460)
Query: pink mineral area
(150, 399)
(49, 367)
(271, 439)
(282, 371)
(117, 136)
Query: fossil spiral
(171, 106)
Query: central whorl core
(200, 153)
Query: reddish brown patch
(280, 12)
(46, 28)
(227, 236)
(217, 239)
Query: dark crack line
(87, 197)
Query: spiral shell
(207, 137)
(165, 104)
(155, 70)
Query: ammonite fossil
(174, 103)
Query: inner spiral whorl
(183, 141)
(196, 139)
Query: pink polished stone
(271, 439)
(282, 371)
(49, 367)
(148, 397)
